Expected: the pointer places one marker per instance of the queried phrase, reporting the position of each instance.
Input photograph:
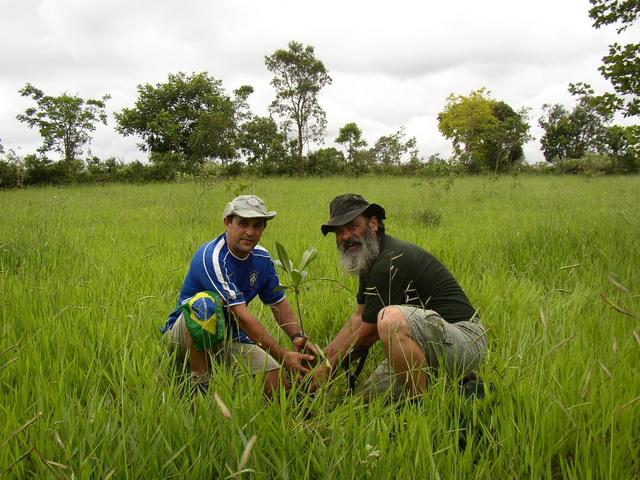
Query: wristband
(299, 334)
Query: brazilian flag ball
(204, 316)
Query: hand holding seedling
(297, 362)
(303, 345)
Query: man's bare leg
(405, 355)
(199, 365)
(273, 381)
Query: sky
(393, 64)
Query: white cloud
(392, 64)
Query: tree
(484, 132)
(11, 169)
(188, 115)
(465, 120)
(503, 145)
(390, 149)
(623, 145)
(558, 131)
(575, 133)
(262, 144)
(351, 136)
(326, 161)
(64, 122)
(298, 79)
(622, 66)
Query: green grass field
(88, 275)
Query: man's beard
(360, 260)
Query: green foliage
(622, 68)
(188, 115)
(168, 164)
(623, 145)
(622, 65)
(586, 131)
(297, 274)
(362, 163)
(609, 12)
(503, 146)
(263, 145)
(392, 149)
(12, 171)
(64, 122)
(40, 170)
(351, 136)
(298, 77)
(9, 175)
(428, 217)
(465, 119)
(589, 164)
(325, 162)
(485, 133)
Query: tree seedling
(298, 280)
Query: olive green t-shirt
(405, 274)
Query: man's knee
(274, 380)
(391, 321)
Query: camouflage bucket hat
(345, 208)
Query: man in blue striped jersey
(233, 269)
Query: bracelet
(299, 334)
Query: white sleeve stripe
(204, 263)
(284, 297)
(217, 271)
(232, 285)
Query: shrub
(428, 217)
(590, 164)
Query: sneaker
(472, 387)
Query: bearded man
(407, 299)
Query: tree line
(189, 126)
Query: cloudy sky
(393, 63)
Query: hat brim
(339, 220)
(253, 214)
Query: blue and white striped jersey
(237, 281)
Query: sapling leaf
(284, 258)
(296, 277)
(308, 257)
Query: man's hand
(303, 345)
(294, 361)
(299, 343)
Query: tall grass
(88, 275)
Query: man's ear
(374, 224)
(227, 222)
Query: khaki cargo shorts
(246, 356)
(455, 348)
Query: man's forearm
(285, 317)
(355, 333)
(342, 341)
